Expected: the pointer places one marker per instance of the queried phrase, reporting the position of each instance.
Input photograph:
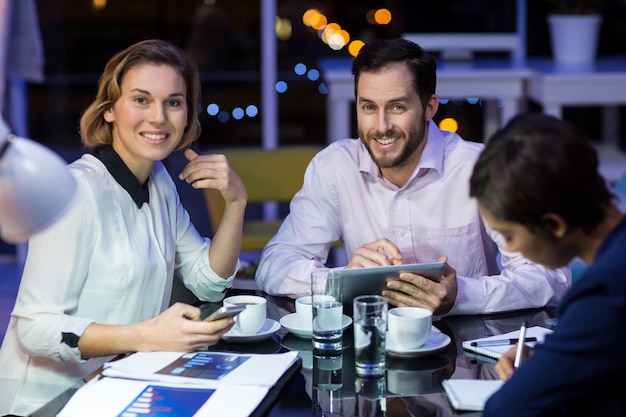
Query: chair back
(269, 175)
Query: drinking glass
(326, 291)
(370, 327)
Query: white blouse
(105, 261)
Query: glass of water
(370, 327)
(327, 291)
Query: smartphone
(225, 311)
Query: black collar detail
(118, 169)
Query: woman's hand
(214, 171)
(180, 329)
(505, 366)
(177, 329)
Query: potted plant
(574, 29)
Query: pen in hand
(520, 346)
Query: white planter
(574, 38)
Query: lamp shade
(35, 188)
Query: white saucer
(435, 342)
(292, 323)
(269, 328)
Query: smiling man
(400, 195)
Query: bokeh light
(382, 16)
(449, 124)
(281, 87)
(307, 17)
(336, 42)
(212, 109)
(328, 31)
(238, 113)
(318, 21)
(355, 46)
(283, 29)
(98, 4)
(313, 74)
(223, 117)
(299, 69)
(252, 110)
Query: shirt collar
(118, 169)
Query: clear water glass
(327, 325)
(370, 328)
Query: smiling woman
(148, 119)
(98, 282)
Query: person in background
(98, 282)
(400, 195)
(537, 183)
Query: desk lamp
(35, 186)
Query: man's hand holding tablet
(416, 290)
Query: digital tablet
(372, 280)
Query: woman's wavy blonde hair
(95, 131)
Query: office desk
(500, 83)
(410, 383)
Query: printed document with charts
(191, 384)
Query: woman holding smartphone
(98, 282)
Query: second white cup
(409, 327)
(250, 320)
(304, 308)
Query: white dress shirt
(106, 261)
(344, 197)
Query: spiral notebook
(496, 351)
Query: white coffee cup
(304, 308)
(250, 320)
(409, 327)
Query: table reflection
(327, 385)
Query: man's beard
(415, 139)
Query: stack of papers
(192, 384)
(495, 352)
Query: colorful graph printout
(204, 365)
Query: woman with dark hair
(537, 183)
(98, 282)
